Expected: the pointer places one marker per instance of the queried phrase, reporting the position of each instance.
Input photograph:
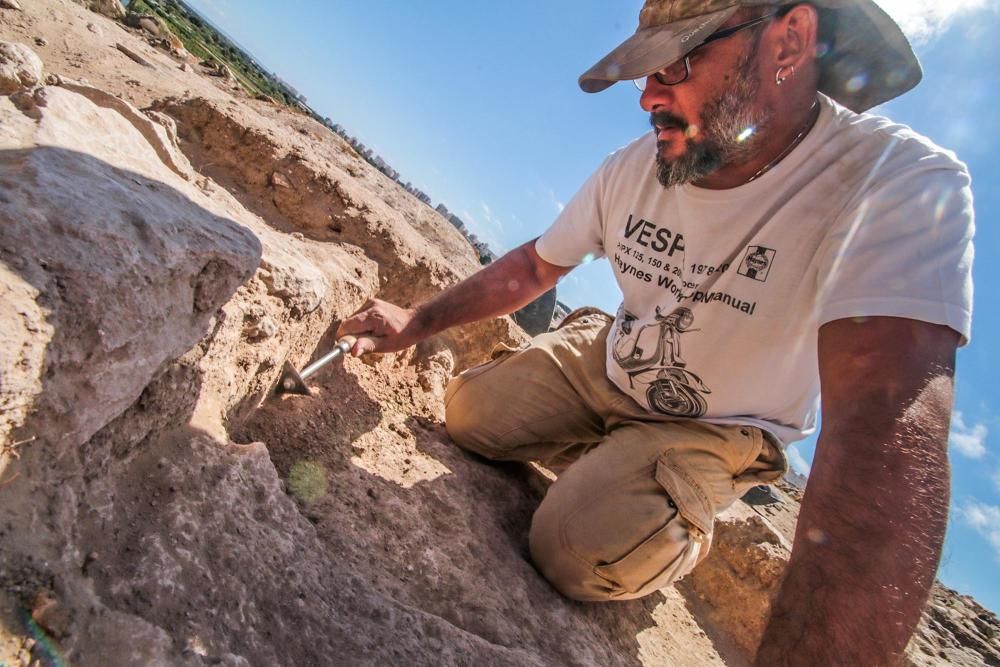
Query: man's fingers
(361, 323)
(367, 305)
(364, 345)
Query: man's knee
(604, 551)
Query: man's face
(713, 119)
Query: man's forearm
(511, 282)
(868, 541)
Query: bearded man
(804, 242)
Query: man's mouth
(667, 132)
(667, 126)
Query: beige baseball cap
(869, 60)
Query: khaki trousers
(634, 504)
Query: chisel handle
(344, 346)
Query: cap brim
(871, 62)
(651, 49)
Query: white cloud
(969, 442)
(797, 461)
(985, 519)
(923, 20)
(996, 480)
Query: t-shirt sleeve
(904, 250)
(577, 235)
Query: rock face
(82, 234)
(19, 68)
(158, 506)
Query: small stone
(263, 329)
(133, 55)
(10, 4)
(41, 41)
(94, 28)
(298, 236)
(279, 180)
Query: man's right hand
(381, 327)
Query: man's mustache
(664, 119)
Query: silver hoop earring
(779, 79)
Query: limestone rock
(159, 131)
(79, 233)
(155, 26)
(134, 56)
(20, 68)
(110, 8)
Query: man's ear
(796, 37)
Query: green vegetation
(307, 481)
(204, 42)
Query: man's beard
(729, 135)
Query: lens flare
(941, 206)
(745, 134)
(588, 258)
(44, 645)
(857, 82)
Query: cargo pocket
(672, 551)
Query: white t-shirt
(725, 290)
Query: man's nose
(656, 96)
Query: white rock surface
(110, 8)
(20, 68)
(85, 217)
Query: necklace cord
(810, 121)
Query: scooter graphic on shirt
(672, 389)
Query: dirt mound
(161, 508)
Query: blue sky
(477, 104)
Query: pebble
(41, 41)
